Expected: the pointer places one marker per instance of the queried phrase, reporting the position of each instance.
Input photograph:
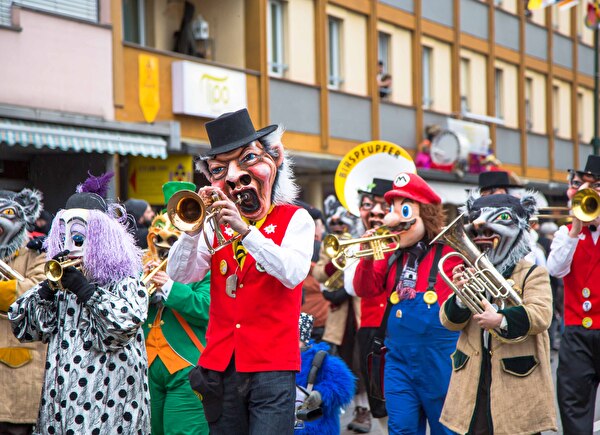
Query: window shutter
(82, 9)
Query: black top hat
(592, 166)
(494, 179)
(233, 130)
(378, 187)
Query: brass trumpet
(337, 249)
(187, 212)
(148, 276)
(54, 269)
(585, 206)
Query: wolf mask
(18, 212)
(499, 226)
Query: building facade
(165, 67)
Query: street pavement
(376, 428)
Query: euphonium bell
(485, 281)
(54, 269)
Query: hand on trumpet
(159, 278)
(228, 212)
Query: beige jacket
(522, 392)
(21, 387)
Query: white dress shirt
(189, 258)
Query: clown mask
(250, 170)
(404, 219)
(73, 228)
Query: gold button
(394, 298)
(587, 322)
(238, 326)
(241, 285)
(585, 292)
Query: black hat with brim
(233, 130)
(592, 166)
(495, 179)
(378, 187)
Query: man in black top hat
(494, 182)
(574, 255)
(246, 374)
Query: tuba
(54, 269)
(187, 212)
(484, 281)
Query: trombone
(54, 269)
(7, 273)
(585, 206)
(339, 250)
(187, 212)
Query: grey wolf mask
(499, 226)
(18, 212)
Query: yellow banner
(148, 86)
(146, 176)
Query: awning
(71, 138)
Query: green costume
(172, 353)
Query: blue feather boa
(337, 385)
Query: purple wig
(110, 253)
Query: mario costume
(417, 366)
(177, 320)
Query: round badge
(394, 298)
(585, 292)
(259, 267)
(587, 306)
(430, 297)
(402, 180)
(399, 314)
(587, 322)
(223, 267)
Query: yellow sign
(146, 176)
(148, 86)
(363, 163)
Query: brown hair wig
(433, 216)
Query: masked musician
(175, 330)
(501, 387)
(246, 374)
(96, 368)
(21, 365)
(574, 257)
(417, 364)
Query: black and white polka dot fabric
(96, 366)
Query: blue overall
(417, 367)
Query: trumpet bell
(54, 269)
(186, 210)
(586, 205)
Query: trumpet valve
(377, 248)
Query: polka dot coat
(96, 366)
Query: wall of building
(509, 93)
(401, 66)
(52, 62)
(538, 103)
(477, 83)
(441, 68)
(562, 108)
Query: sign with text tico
(207, 91)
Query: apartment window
(499, 92)
(465, 83)
(82, 9)
(335, 53)
(580, 115)
(528, 103)
(556, 108)
(427, 67)
(275, 35)
(383, 50)
(134, 21)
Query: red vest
(581, 284)
(371, 310)
(261, 323)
